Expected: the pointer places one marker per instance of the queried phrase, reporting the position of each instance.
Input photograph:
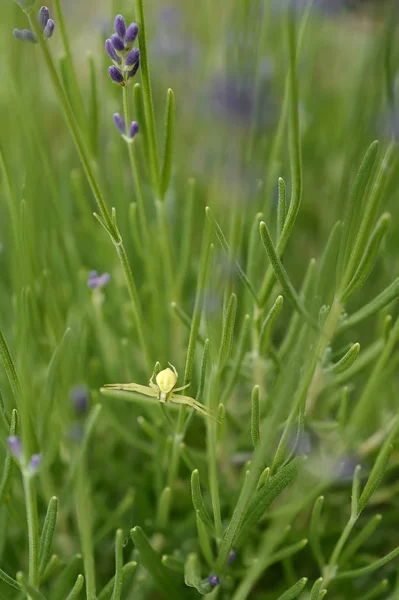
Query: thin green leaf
(29, 589)
(354, 204)
(192, 571)
(204, 363)
(360, 538)
(9, 462)
(269, 321)
(77, 588)
(281, 207)
(173, 563)
(315, 593)
(46, 538)
(369, 257)
(281, 273)
(377, 590)
(128, 569)
(204, 541)
(9, 580)
(93, 110)
(294, 591)
(168, 143)
(370, 568)
(164, 507)
(51, 567)
(150, 560)
(237, 360)
(227, 332)
(66, 578)
(376, 475)
(223, 242)
(198, 500)
(346, 361)
(118, 581)
(326, 279)
(9, 367)
(264, 497)
(314, 534)
(255, 416)
(370, 309)
(355, 493)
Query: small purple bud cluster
(46, 25)
(213, 580)
(97, 281)
(120, 49)
(16, 449)
(120, 124)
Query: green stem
(332, 563)
(77, 96)
(148, 102)
(90, 174)
(33, 528)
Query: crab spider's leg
(183, 387)
(173, 369)
(194, 404)
(132, 387)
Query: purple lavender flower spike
(120, 123)
(120, 26)
(103, 280)
(25, 35)
(231, 557)
(49, 29)
(15, 445)
(35, 462)
(98, 281)
(132, 57)
(131, 34)
(115, 75)
(79, 396)
(213, 580)
(112, 52)
(43, 16)
(133, 72)
(117, 42)
(133, 129)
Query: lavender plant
(267, 470)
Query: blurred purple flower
(120, 123)
(79, 396)
(133, 130)
(213, 580)
(35, 462)
(25, 35)
(15, 446)
(97, 281)
(43, 16)
(131, 34)
(119, 50)
(231, 557)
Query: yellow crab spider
(164, 389)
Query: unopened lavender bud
(132, 57)
(35, 462)
(120, 123)
(133, 129)
(43, 16)
(120, 26)
(49, 29)
(15, 446)
(131, 33)
(115, 75)
(112, 52)
(117, 42)
(133, 72)
(25, 35)
(213, 580)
